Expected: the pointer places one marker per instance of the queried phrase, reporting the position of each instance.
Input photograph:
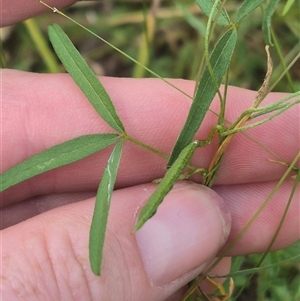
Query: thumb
(46, 257)
(186, 232)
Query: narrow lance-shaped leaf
(287, 7)
(206, 90)
(84, 77)
(266, 22)
(104, 193)
(193, 20)
(207, 5)
(166, 184)
(247, 7)
(56, 156)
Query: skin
(45, 257)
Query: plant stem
(145, 146)
(279, 52)
(221, 118)
(206, 43)
(285, 71)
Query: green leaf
(287, 7)
(247, 7)
(207, 5)
(56, 156)
(194, 21)
(84, 77)
(166, 184)
(266, 22)
(206, 90)
(99, 221)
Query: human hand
(46, 257)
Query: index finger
(13, 11)
(40, 111)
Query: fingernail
(187, 230)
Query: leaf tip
(138, 226)
(96, 270)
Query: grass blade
(206, 90)
(287, 7)
(84, 77)
(42, 46)
(166, 184)
(104, 193)
(207, 5)
(247, 7)
(266, 22)
(54, 157)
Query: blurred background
(165, 35)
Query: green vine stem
(145, 146)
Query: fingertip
(186, 232)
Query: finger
(222, 268)
(16, 11)
(49, 109)
(245, 200)
(18, 212)
(49, 253)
